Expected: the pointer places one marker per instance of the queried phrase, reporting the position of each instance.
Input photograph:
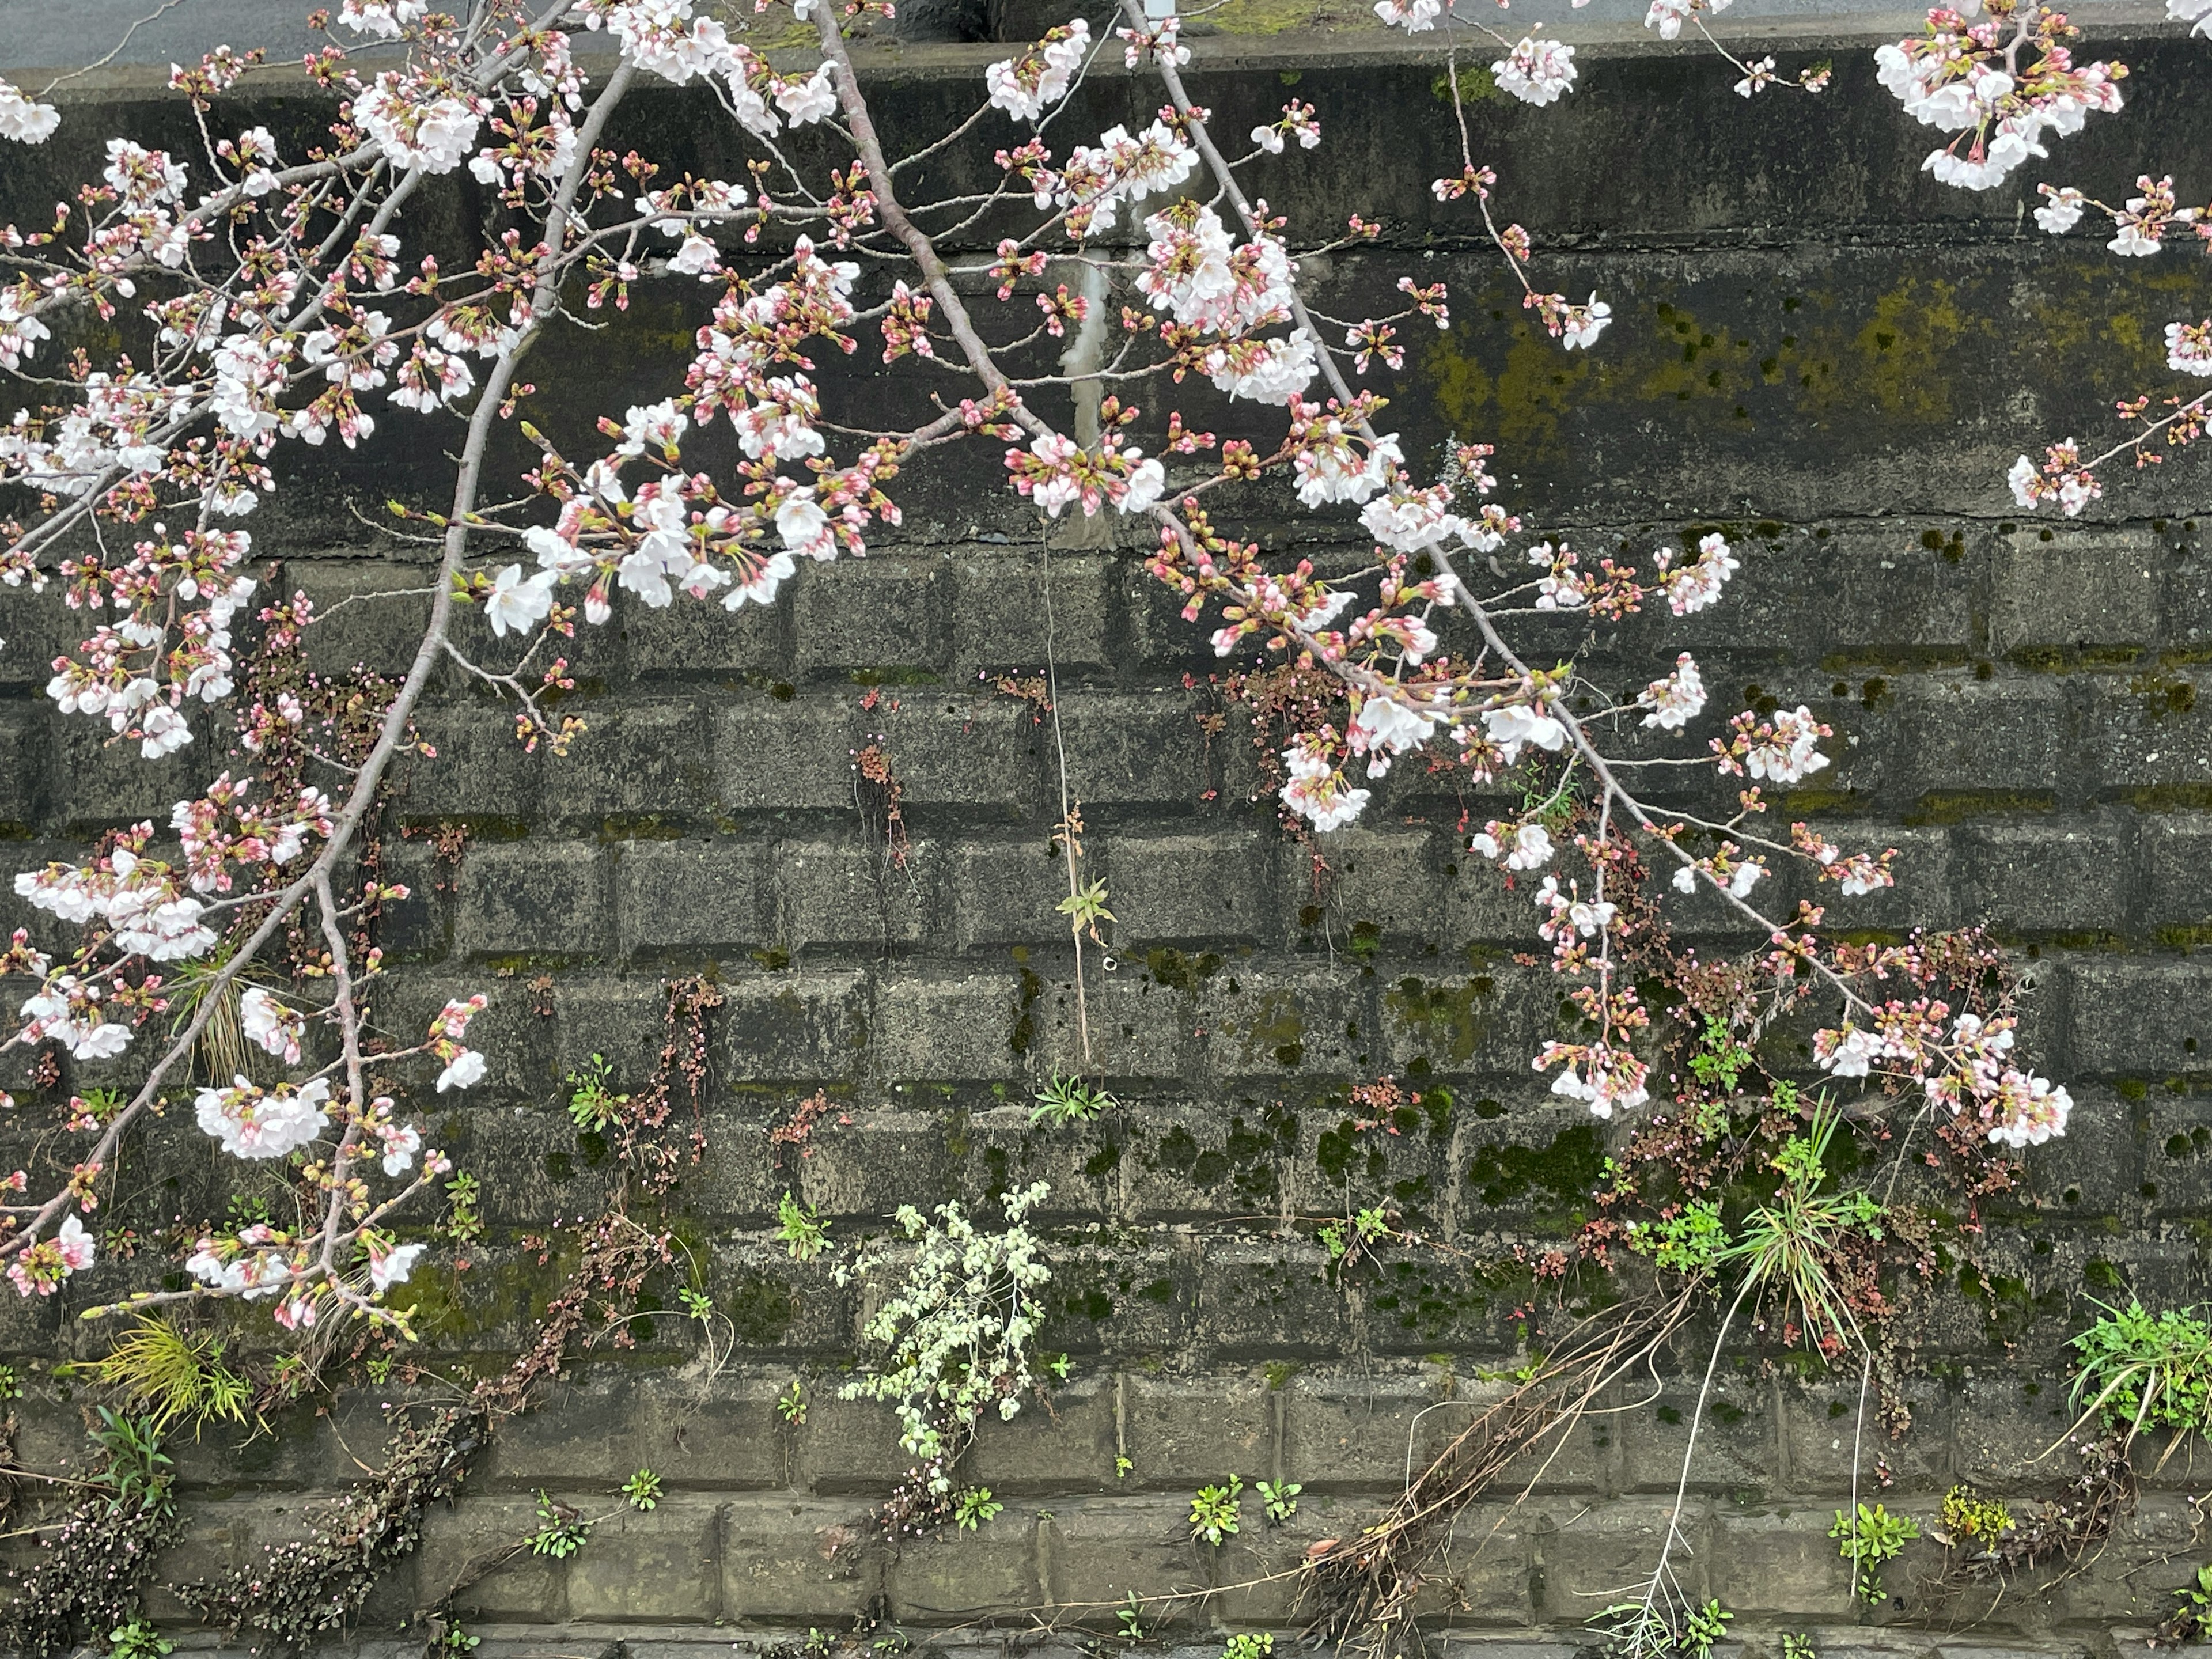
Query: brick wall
(2016, 709)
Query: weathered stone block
(796, 1027)
(690, 639)
(849, 1445)
(532, 898)
(798, 1559)
(1100, 1550)
(837, 893)
(1958, 742)
(458, 1542)
(1735, 1449)
(2136, 1018)
(2175, 851)
(477, 771)
(684, 897)
(2080, 589)
(1585, 1555)
(1187, 1432)
(1769, 1562)
(2001, 1425)
(1006, 892)
(787, 756)
(953, 1575)
(1822, 1433)
(1126, 750)
(1193, 888)
(871, 616)
(946, 1029)
(720, 1435)
(640, 767)
(1349, 1433)
(1067, 1445)
(1281, 1021)
(1017, 610)
(662, 1564)
(2151, 735)
(1384, 884)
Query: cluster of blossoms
(1025, 86)
(1969, 79)
(1966, 1069)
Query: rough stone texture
(2016, 708)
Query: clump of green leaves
(800, 1228)
(1253, 1645)
(2141, 1370)
(972, 1505)
(453, 1643)
(1790, 1247)
(464, 1222)
(1345, 1238)
(592, 1104)
(169, 1375)
(2192, 1620)
(1691, 1242)
(1868, 1540)
(1970, 1518)
(1279, 1502)
(642, 1490)
(1213, 1511)
(952, 1339)
(1798, 1644)
(1130, 1617)
(1065, 1100)
(1704, 1626)
(791, 1405)
(1085, 908)
(561, 1530)
(137, 1639)
(1719, 1060)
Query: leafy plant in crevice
(1705, 1626)
(137, 1639)
(1279, 1500)
(2063, 1533)
(1214, 1511)
(1064, 1100)
(2191, 1621)
(800, 1228)
(562, 1531)
(1869, 1538)
(2142, 1370)
(87, 1580)
(168, 1375)
(1971, 1522)
(972, 1505)
(951, 1341)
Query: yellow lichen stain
(1521, 405)
(1696, 362)
(1903, 350)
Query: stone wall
(1812, 348)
